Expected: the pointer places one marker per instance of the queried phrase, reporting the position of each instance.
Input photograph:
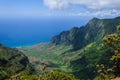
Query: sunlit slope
(78, 50)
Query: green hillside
(76, 51)
(13, 62)
(48, 53)
(94, 30)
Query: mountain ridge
(94, 30)
(77, 50)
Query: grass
(46, 52)
(68, 61)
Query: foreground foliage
(13, 62)
(52, 75)
(111, 41)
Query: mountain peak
(95, 30)
(95, 18)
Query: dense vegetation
(14, 65)
(78, 50)
(52, 75)
(94, 30)
(12, 62)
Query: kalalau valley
(60, 40)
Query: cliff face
(12, 62)
(94, 30)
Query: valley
(77, 50)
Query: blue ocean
(24, 32)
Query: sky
(59, 8)
(28, 22)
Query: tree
(52, 75)
(112, 41)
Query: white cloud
(103, 13)
(56, 4)
(93, 8)
(92, 4)
(97, 4)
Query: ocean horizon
(26, 32)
